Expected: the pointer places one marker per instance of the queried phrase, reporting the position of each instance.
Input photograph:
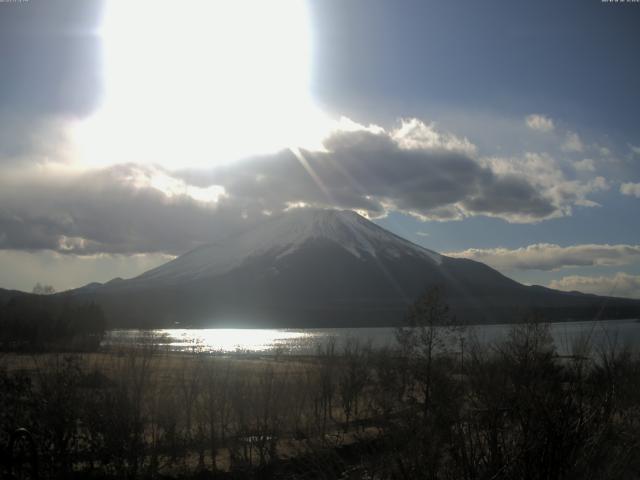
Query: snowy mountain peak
(284, 234)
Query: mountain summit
(285, 235)
(312, 268)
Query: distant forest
(42, 322)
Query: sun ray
(314, 176)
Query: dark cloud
(130, 208)
(511, 196)
(370, 171)
(105, 211)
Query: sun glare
(199, 82)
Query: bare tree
(327, 357)
(41, 289)
(428, 329)
(353, 378)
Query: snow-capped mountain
(283, 236)
(325, 268)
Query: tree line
(43, 322)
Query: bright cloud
(630, 188)
(546, 256)
(618, 285)
(539, 122)
(546, 174)
(416, 135)
(585, 165)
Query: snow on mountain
(283, 235)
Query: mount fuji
(325, 268)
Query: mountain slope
(325, 268)
(281, 237)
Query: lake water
(306, 341)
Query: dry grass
(253, 408)
(511, 410)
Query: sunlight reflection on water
(306, 341)
(220, 339)
(235, 339)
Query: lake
(306, 341)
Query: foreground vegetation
(433, 408)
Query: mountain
(289, 235)
(309, 268)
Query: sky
(501, 131)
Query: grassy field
(195, 411)
(510, 410)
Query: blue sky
(504, 131)
(573, 60)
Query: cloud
(415, 169)
(572, 143)
(545, 256)
(585, 165)
(604, 151)
(119, 209)
(414, 134)
(545, 174)
(630, 188)
(618, 285)
(539, 122)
